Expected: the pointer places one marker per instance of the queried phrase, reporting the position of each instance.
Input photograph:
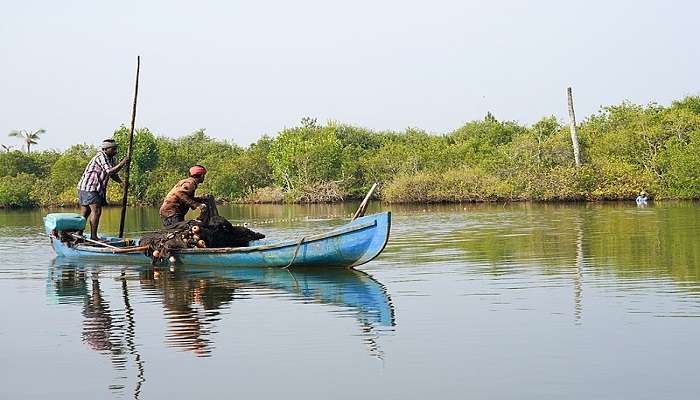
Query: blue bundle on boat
(64, 222)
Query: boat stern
(380, 238)
(55, 224)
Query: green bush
(618, 180)
(625, 148)
(305, 155)
(20, 190)
(144, 159)
(62, 182)
(267, 194)
(38, 164)
(458, 185)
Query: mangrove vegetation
(624, 148)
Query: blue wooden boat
(350, 245)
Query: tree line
(624, 148)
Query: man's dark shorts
(172, 220)
(87, 198)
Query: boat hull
(350, 245)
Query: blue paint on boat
(350, 245)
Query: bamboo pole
(572, 126)
(127, 167)
(363, 206)
(136, 249)
(79, 237)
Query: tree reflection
(618, 238)
(578, 275)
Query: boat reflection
(105, 329)
(193, 299)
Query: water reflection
(191, 306)
(68, 285)
(194, 299)
(515, 291)
(656, 241)
(105, 329)
(130, 337)
(578, 275)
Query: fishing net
(209, 230)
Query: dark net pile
(209, 230)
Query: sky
(241, 69)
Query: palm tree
(29, 138)
(7, 148)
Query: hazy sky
(243, 69)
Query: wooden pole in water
(572, 126)
(127, 167)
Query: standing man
(92, 188)
(181, 198)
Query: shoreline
(416, 203)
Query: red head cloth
(197, 170)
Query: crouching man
(181, 198)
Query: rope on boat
(296, 252)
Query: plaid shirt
(97, 173)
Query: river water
(521, 301)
